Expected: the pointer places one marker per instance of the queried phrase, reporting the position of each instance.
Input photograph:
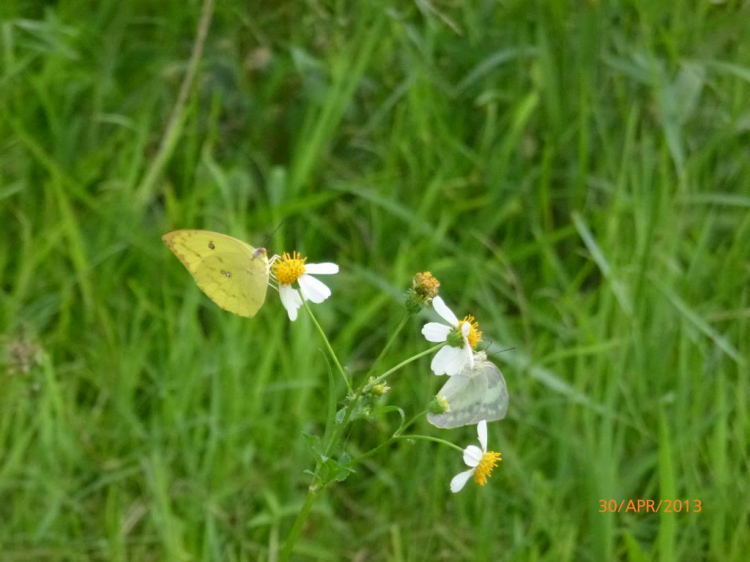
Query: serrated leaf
(343, 473)
(337, 471)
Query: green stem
(291, 539)
(368, 385)
(328, 344)
(313, 490)
(387, 442)
(396, 437)
(371, 452)
(403, 428)
(428, 438)
(359, 390)
(388, 345)
(403, 363)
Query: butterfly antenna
(496, 352)
(268, 237)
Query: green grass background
(577, 175)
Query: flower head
(481, 462)
(461, 336)
(289, 269)
(424, 288)
(475, 335)
(380, 389)
(439, 405)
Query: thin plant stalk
(328, 345)
(291, 540)
(398, 435)
(404, 363)
(433, 439)
(388, 345)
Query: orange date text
(650, 506)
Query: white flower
(288, 269)
(480, 461)
(451, 358)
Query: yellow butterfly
(233, 274)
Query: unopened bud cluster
(380, 389)
(439, 405)
(424, 288)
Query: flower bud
(424, 288)
(380, 389)
(439, 405)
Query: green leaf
(315, 446)
(333, 470)
(340, 415)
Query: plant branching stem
(314, 490)
(434, 439)
(387, 442)
(403, 363)
(358, 393)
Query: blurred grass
(576, 174)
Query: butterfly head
(259, 252)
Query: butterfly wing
(230, 272)
(475, 394)
(495, 403)
(463, 392)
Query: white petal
(457, 362)
(444, 356)
(482, 434)
(472, 455)
(312, 289)
(321, 268)
(436, 332)
(469, 356)
(291, 300)
(442, 309)
(465, 329)
(460, 480)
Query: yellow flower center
(485, 466)
(289, 268)
(475, 336)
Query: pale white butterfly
(476, 393)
